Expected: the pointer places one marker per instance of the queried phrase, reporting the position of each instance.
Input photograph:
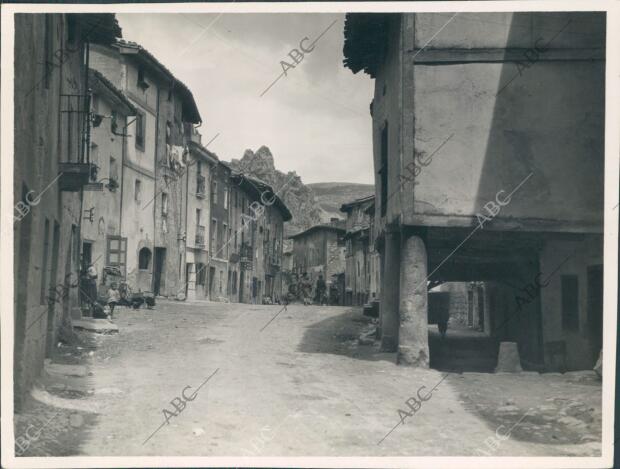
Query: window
(140, 130)
(570, 302)
(200, 183)
(234, 282)
(225, 241)
(214, 252)
(113, 174)
(114, 123)
(383, 171)
(116, 252)
(221, 279)
(225, 197)
(144, 259)
(164, 204)
(137, 192)
(142, 84)
(201, 274)
(214, 193)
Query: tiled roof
(328, 227)
(361, 200)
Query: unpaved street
(303, 386)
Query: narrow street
(303, 386)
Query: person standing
(91, 277)
(306, 289)
(114, 297)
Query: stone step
(102, 326)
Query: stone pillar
(380, 288)
(389, 291)
(508, 359)
(413, 344)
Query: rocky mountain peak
(298, 197)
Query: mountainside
(309, 204)
(330, 196)
(298, 197)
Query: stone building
(358, 264)
(480, 138)
(468, 303)
(257, 217)
(101, 211)
(51, 166)
(321, 250)
(220, 233)
(200, 166)
(153, 192)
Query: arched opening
(144, 259)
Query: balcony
(200, 236)
(74, 176)
(200, 187)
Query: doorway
(211, 282)
(87, 254)
(158, 269)
(87, 258)
(241, 285)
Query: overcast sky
(315, 119)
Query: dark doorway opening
(241, 285)
(158, 270)
(211, 282)
(87, 254)
(87, 258)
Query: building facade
(198, 213)
(507, 197)
(102, 200)
(320, 250)
(51, 167)
(358, 240)
(220, 233)
(153, 237)
(257, 220)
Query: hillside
(298, 197)
(330, 196)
